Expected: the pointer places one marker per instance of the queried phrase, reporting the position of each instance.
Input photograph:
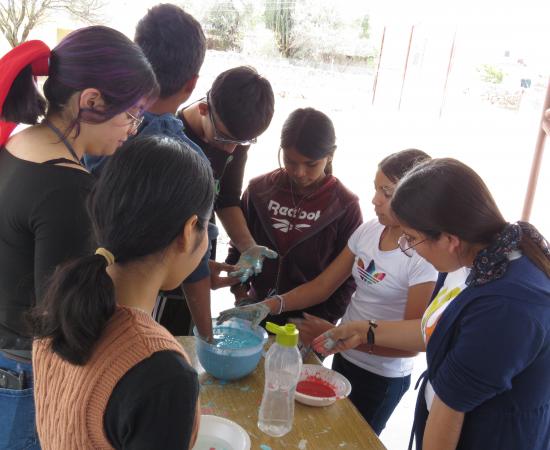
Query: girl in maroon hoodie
(304, 213)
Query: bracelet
(370, 334)
(281, 303)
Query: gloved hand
(251, 260)
(244, 301)
(254, 313)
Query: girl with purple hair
(98, 84)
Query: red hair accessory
(35, 53)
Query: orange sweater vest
(71, 400)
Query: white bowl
(340, 383)
(218, 432)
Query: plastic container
(229, 362)
(283, 365)
(325, 377)
(221, 433)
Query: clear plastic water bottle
(283, 365)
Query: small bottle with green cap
(283, 365)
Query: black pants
(373, 395)
(172, 312)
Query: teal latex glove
(245, 301)
(251, 261)
(254, 313)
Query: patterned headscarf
(492, 262)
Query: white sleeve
(354, 241)
(421, 271)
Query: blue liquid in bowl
(234, 338)
(235, 351)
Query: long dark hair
(92, 57)
(446, 196)
(135, 212)
(311, 133)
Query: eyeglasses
(135, 122)
(221, 137)
(404, 243)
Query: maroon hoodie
(308, 232)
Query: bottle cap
(286, 336)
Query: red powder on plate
(316, 387)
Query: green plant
(223, 26)
(279, 17)
(491, 74)
(365, 27)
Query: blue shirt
(153, 124)
(166, 125)
(489, 357)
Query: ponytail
(535, 247)
(20, 100)
(328, 167)
(77, 305)
(24, 103)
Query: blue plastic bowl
(228, 363)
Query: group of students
(87, 245)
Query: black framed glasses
(221, 137)
(406, 246)
(135, 122)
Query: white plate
(341, 385)
(221, 434)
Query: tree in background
(279, 18)
(320, 30)
(222, 26)
(308, 30)
(224, 21)
(19, 17)
(321, 33)
(365, 27)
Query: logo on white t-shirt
(369, 275)
(454, 284)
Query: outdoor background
(460, 79)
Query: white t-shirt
(454, 284)
(383, 279)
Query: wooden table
(335, 427)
